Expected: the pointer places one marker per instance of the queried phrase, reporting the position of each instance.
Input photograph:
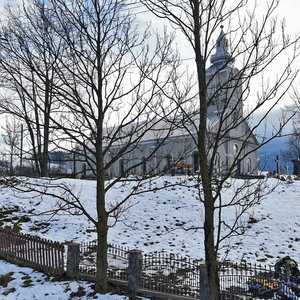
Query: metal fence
(237, 279)
(181, 276)
(117, 260)
(163, 273)
(256, 281)
(171, 274)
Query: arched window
(235, 120)
(169, 161)
(238, 168)
(196, 161)
(121, 167)
(235, 149)
(249, 166)
(84, 169)
(217, 164)
(144, 165)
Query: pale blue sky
(288, 9)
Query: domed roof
(221, 55)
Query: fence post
(204, 293)
(73, 259)
(135, 262)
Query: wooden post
(204, 292)
(73, 259)
(135, 263)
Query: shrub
(5, 279)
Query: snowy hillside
(168, 220)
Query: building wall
(225, 97)
(177, 150)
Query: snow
(166, 220)
(28, 284)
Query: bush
(5, 279)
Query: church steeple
(224, 86)
(221, 55)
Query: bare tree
(257, 43)
(113, 85)
(28, 60)
(12, 138)
(293, 151)
(294, 144)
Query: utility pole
(21, 151)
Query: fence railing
(117, 260)
(40, 254)
(159, 272)
(182, 276)
(237, 278)
(156, 272)
(171, 274)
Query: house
(174, 151)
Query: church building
(178, 152)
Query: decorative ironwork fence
(237, 278)
(181, 276)
(171, 274)
(255, 281)
(159, 272)
(117, 260)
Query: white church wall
(237, 141)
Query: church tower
(224, 85)
(225, 101)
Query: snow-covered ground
(167, 220)
(26, 284)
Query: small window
(235, 149)
(144, 165)
(84, 169)
(169, 161)
(249, 166)
(121, 167)
(196, 161)
(217, 165)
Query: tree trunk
(47, 110)
(101, 273)
(11, 170)
(44, 165)
(209, 243)
(102, 226)
(210, 254)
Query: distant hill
(277, 146)
(268, 153)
